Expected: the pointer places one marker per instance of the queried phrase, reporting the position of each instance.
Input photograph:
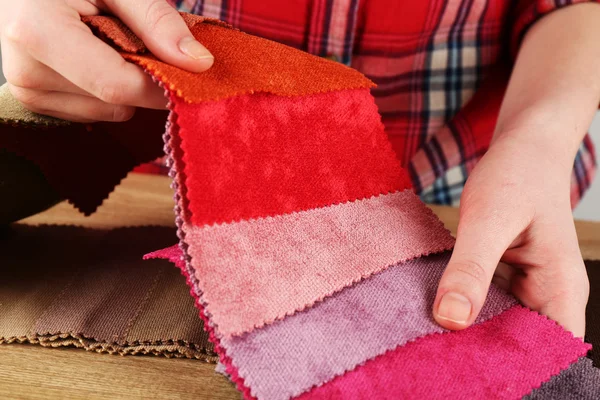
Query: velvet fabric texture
(261, 155)
(282, 70)
(314, 231)
(576, 380)
(275, 68)
(398, 300)
(205, 269)
(503, 358)
(580, 381)
(254, 272)
(71, 286)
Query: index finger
(69, 47)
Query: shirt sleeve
(527, 12)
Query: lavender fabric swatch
(387, 310)
(580, 381)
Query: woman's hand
(516, 208)
(516, 203)
(55, 66)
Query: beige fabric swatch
(12, 111)
(72, 286)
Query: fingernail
(454, 307)
(192, 48)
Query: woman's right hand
(55, 66)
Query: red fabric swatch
(503, 358)
(260, 155)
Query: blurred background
(588, 209)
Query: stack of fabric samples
(89, 288)
(313, 264)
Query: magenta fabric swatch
(173, 254)
(252, 273)
(503, 358)
(387, 310)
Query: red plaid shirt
(441, 67)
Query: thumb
(164, 32)
(482, 238)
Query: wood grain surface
(34, 372)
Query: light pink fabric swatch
(252, 273)
(503, 358)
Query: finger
(482, 237)
(22, 70)
(567, 304)
(503, 276)
(87, 7)
(68, 47)
(556, 283)
(165, 33)
(70, 106)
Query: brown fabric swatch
(23, 188)
(72, 286)
(592, 312)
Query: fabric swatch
(24, 190)
(592, 312)
(262, 66)
(254, 272)
(12, 111)
(56, 149)
(376, 315)
(71, 286)
(580, 381)
(503, 358)
(192, 218)
(139, 140)
(261, 155)
(307, 202)
(116, 33)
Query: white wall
(589, 208)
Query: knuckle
(158, 13)
(23, 76)
(21, 31)
(472, 270)
(108, 93)
(31, 99)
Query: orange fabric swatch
(282, 70)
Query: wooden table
(34, 372)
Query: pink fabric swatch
(252, 273)
(503, 358)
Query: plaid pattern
(441, 67)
